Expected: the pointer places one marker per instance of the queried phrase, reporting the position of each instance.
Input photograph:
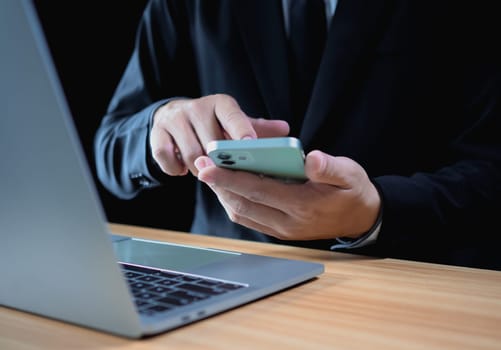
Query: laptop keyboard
(157, 291)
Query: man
(401, 123)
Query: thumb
(341, 172)
(270, 128)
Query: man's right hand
(183, 127)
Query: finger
(254, 216)
(204, 162)
(338, 171)
(232, 119)
(260, 227)
(204, 121)
(249, 214)
(270, 128)
(254, 225)
(188, 145)
(189, 150)
(255, 188)
(165, 153)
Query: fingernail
(201, 163)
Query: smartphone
(277, 157)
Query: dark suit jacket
(409, 89)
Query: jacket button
(139, 180)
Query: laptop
(58, 258)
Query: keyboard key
(159, 291)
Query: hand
(338, 200)
(182, 128)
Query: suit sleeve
(161, 62)
(459, 203)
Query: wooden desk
(358, 303)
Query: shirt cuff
(366, 239)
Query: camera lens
(224, 156)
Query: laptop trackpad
(167, 256)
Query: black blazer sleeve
(161, 55)
(450, 208)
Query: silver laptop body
(57, 257)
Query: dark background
(91, 42)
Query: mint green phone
(277, 157)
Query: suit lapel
(355, 30)
(266, 45)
